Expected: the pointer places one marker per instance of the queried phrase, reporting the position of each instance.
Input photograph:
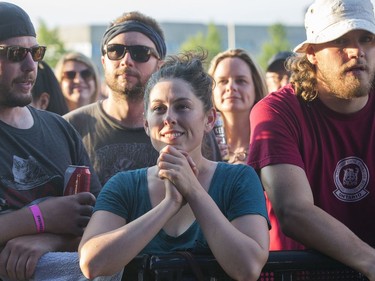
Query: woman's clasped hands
(179, 173)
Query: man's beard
(346, 86)
(134, 93)
(10, 99)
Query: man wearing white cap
(313, 141)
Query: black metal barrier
(281, 266)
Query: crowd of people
(296, 170)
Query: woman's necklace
(238, 155)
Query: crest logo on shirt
(351, 178)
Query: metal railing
(281, 266)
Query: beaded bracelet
(38, 218)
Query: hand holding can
(76, 180)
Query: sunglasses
(138, 53)
(85, 74)
(17, 53)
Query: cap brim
(301, 48)
(335, 31)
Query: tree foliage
(49, 37)
(210, 42)
(278, 43)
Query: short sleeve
(275, 131)
(237, 191)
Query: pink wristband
(38, 218)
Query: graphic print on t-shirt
(351, 178)
(27, 174)
(119, 157)
(29, 181)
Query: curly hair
(188, 66)
(256, 72)
(303, 77)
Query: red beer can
(77, 179)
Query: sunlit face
(345, 66)
(234, 90)
(78, 89)
(17, 78)
(175, 116)
(126, 76)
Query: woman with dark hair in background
(46, 93)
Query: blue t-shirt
(236, 189)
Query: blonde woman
(79, 79)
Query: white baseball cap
(327, 20)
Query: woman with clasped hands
(185, 202)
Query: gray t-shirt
(111, 147)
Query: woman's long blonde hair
(79, 57)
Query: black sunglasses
(85, 74)
(17, 53)
(138, 53)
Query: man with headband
(313, 141)
(36, 149)
(133, 47)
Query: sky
(101, 12)
(253, 12)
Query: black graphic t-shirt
(33, 161)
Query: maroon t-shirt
(337, 151)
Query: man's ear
(42, 102)
(284, 80)
(145, 125)
(210, 120)
(160, 63)
(311, 55)
(102, 59)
